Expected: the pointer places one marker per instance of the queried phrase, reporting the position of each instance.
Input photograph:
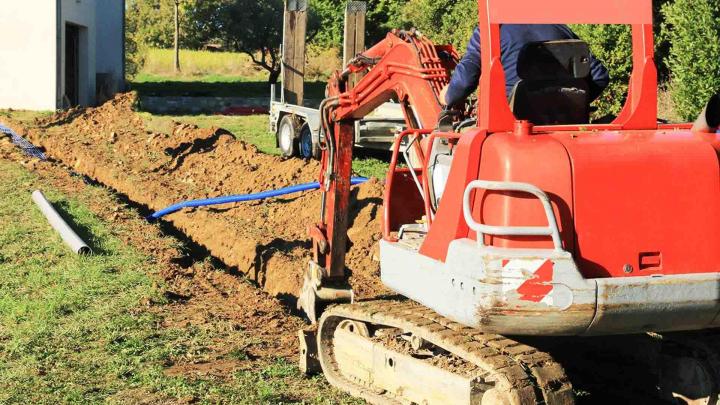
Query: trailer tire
(306, 148)
(287, 134)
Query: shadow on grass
(366, 153)
(313, 90)
(64, 119)
(94, 241)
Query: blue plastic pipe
(29, 149)
(244, 197)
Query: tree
(254, 27)
(445, 21)
(251, 27)
(134, 49)
(203, 22)
(177, 36)
(327, 18)
(152, 21)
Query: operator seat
(553, 88)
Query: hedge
(692, 27)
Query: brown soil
(266, 240)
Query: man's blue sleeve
(466, 77)
(600, 78)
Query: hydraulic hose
(244, 197)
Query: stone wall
(198, 105)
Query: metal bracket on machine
(297, 5)
(315, 294)
(309, 361)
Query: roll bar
(640, 110)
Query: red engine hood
(644, 202)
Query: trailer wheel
(287, 136)
(306, 143)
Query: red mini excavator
(532, 223)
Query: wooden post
(354, 34)
(177, 36)
(293, 59)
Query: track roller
(398, 352)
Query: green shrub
(201, 64)
(134, 58)
(692, 28)
(444, 21)
(135, 50)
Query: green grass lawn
(24, 116)
(77, 329)
(215, 74)
(196, 64)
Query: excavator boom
(406, 67)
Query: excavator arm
(406, 67)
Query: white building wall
(82, 14)
(32, 50)
(28, 52)
(110, 38)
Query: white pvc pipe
(66, 233)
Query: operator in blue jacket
(513, 37)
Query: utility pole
(293, 58)
(354, 34)
(177, 36)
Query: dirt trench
(237, 315)
(265, 240)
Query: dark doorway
(72, 65)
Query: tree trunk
(177, 36)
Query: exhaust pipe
(709, 119)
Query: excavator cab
(553, 87)
(553, 90)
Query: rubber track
(524, 374)
(705, 345)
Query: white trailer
(297, 128)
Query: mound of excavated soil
(266, 240)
